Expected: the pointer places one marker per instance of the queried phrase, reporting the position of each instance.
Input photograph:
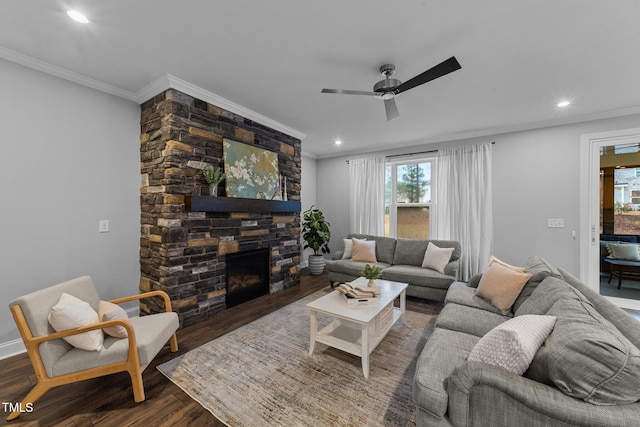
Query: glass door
(612, 250)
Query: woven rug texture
(262, 375)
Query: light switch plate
(555, 223)
(103, 226)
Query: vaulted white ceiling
(518, 57)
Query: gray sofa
(591, 354)
(401, 261)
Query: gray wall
(70, 158)
(308, 196)
(535, 177)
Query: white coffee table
(358, 329)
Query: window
(408, 197)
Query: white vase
(316, 264)
(213, 190)
(371, 283)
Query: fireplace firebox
(248, 276)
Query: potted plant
(214, 176)
(371, 272)
(316, 234)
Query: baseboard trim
(11, 348)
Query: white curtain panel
(463, 205)
(366, 195)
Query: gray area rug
(262, 375)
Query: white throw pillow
(110, 311)
(348, 248)
(436, 258)
(513, 344)
(71, 312)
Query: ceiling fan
(388, 88)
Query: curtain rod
(417, 152)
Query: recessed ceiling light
(338, 142)
(77, 16)
(563, 103)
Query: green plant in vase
(316, 234)
(214, 175)
(371, 272)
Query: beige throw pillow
(348, 248)
(513, 344)
(500, 286)
(71, 312)
(364, 251)
(110, 311)
(436, 258)
(512, 267)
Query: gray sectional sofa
(587, 372)
(401, 261)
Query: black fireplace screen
(247, 276)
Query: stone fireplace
(248, 275)
(185, 235)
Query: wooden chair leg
(138, 385)
(36, 393)
(174, 343)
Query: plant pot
(371, 283)
(213, 190)
(316, 264)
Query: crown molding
(65, 74)
(169, 81)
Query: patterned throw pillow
(513, 344)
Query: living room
(72, 141)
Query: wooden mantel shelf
(232, 204)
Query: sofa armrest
(337, 255)
(451, 269)
(481, 394)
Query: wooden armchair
(56, 362)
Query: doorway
(610, 189)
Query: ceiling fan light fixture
(338, 142)
(563, 104)
(77, 16)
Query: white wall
(70, 157)
(535, 177)
(307, 196)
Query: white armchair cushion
(71, 312)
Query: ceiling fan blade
(391, 109)
(443, 68)
(348, 92)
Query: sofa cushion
(417, 276)
(363, 251)
(436, 258)
(385, 246)
(614, 314)
(546, 294)
(349, 267)
(501, 285)
(585, 356)
(443, 352)
(472, 321)
(540, 269)
(460, 293)
(410, 252)
(513, 344)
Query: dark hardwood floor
(108, 401)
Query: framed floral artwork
(252, 172)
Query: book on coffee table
(356, 295)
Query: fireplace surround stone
(183, 252)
